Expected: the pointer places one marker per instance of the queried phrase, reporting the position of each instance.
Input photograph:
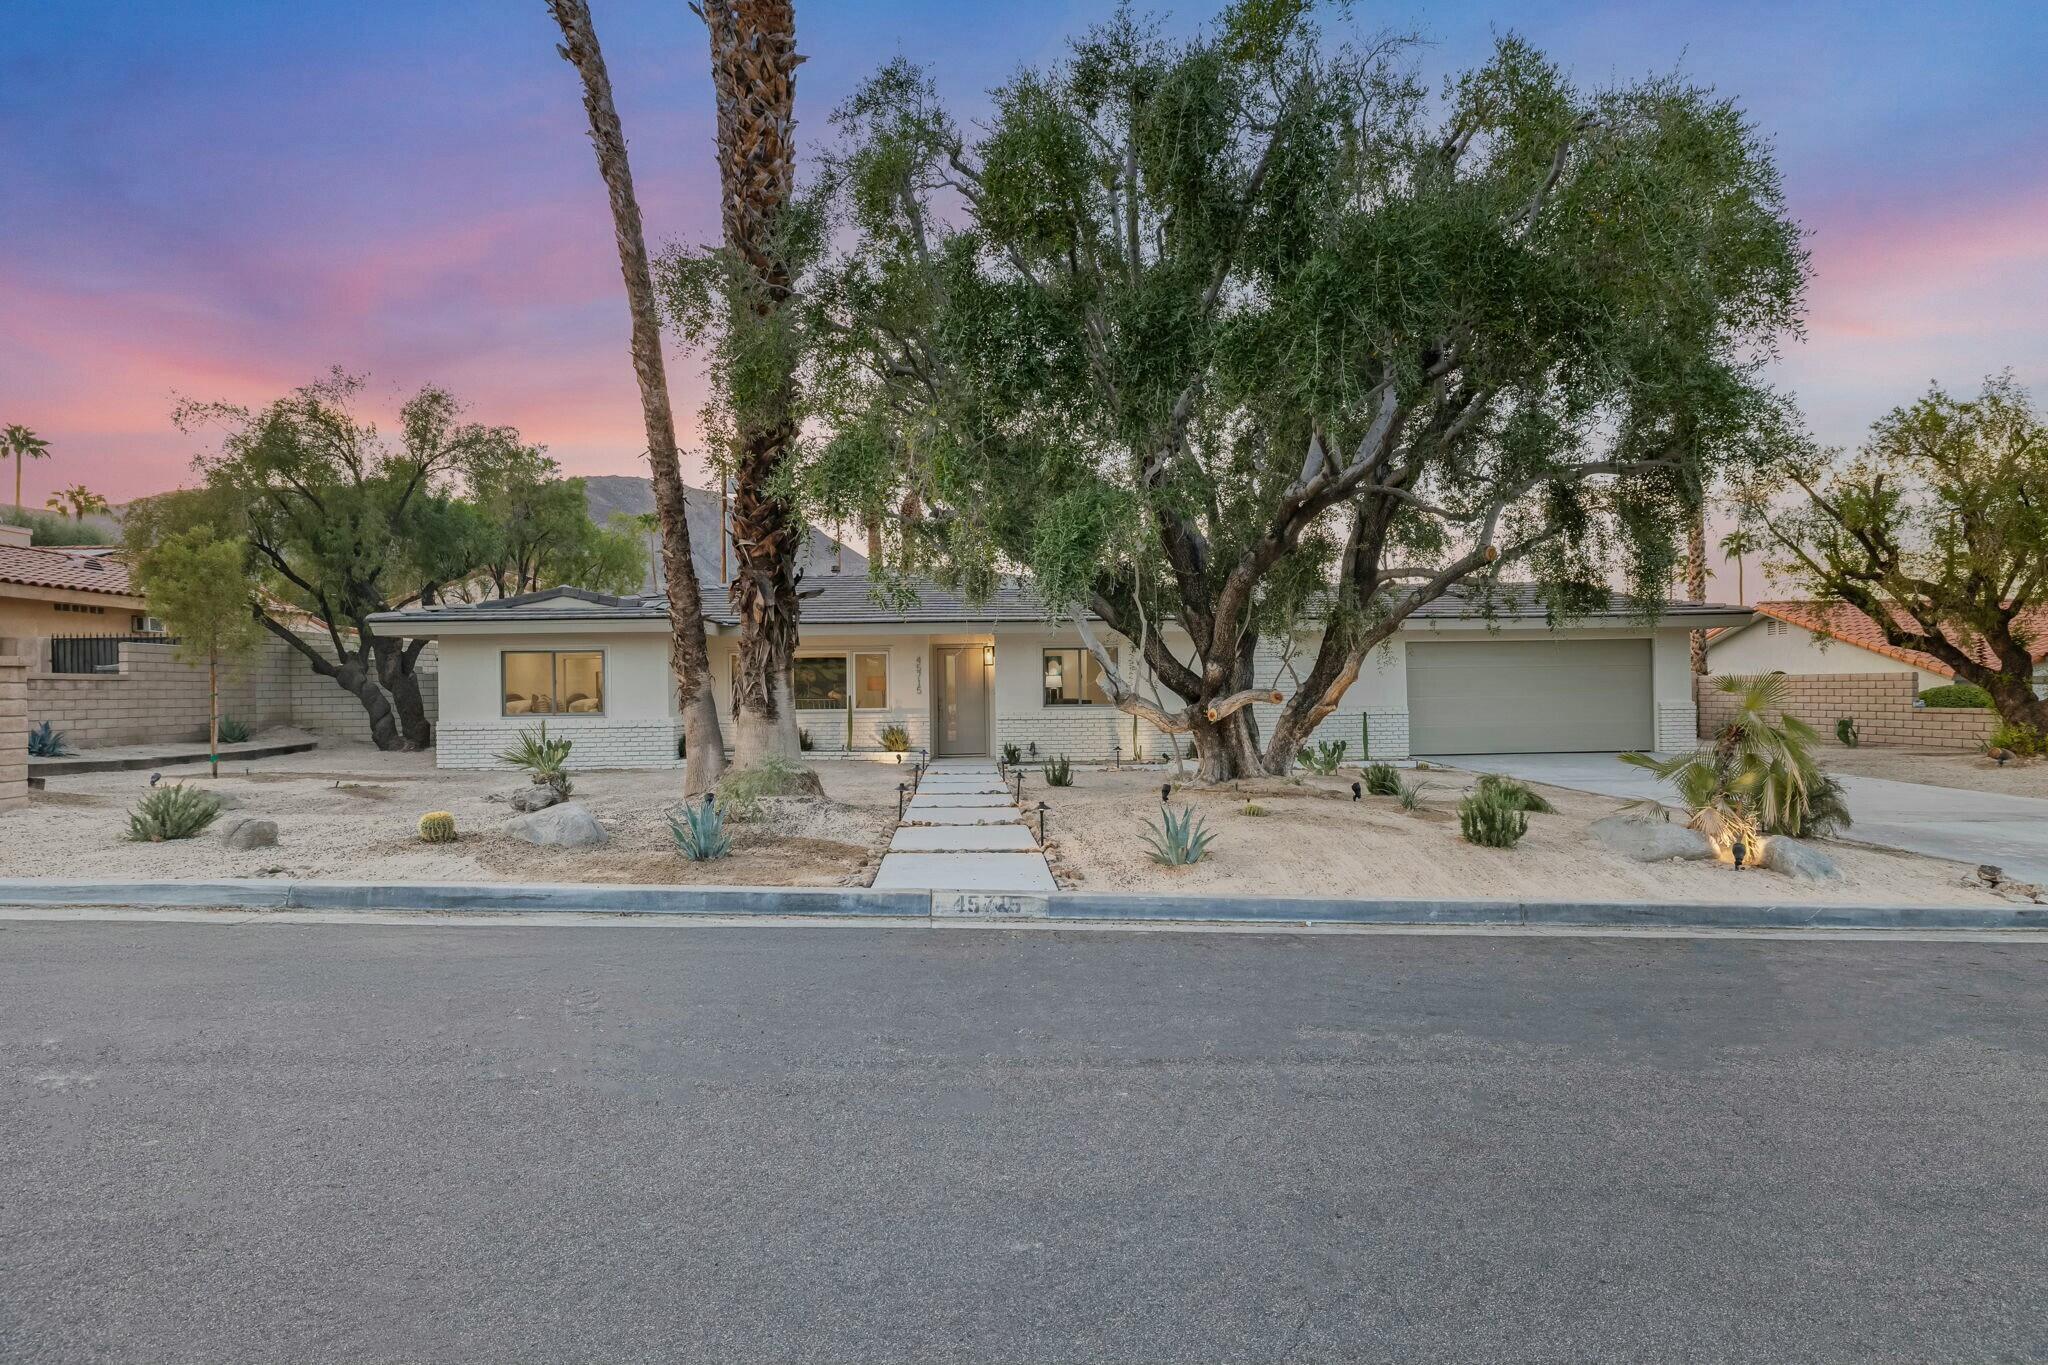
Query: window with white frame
(1073, 678)
(837, 682)
(541, 682)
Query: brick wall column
(13, 726)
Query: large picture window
(544, 682)
(820, 683)
(1073, 678)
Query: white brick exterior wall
(598, 743)
(1678, 727)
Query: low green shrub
(46, 741)
(1325, 758)
(895, 739)
(740, 794)
(1381, 779)
(1847, 733)
(1059, 772)
(1957, 695)
(173, 812)
(233, 731)
(699, 832)
(437, 827)
(2023, 740)
(1178, 839)
(1491, 821)
(1515, 793)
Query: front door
(960, 695)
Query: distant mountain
(612, 495)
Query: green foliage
(1324, 759)
(895, 739)
(1509, 791)
(1382, 779)
(233, 731)
(535, 530)
(1492, 819)
(699, 832)
(199, 582)
(1178, 839)
(1936, 529)
(175, 811)
(1012, 755)
(437, 827)
(741, 792)
(1958, 696)
(1759, 775)
(543, 759)
(2023, 740)
(1059, 772)
(1411, 794)
(1847, 733)
(46, 741)
(47, 529)
(1154, 325)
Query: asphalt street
(317, 1142)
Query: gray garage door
(1529, 696)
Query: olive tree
(1252, 335)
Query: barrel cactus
(437, 827)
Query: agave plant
(1759, 774)
(1178, 839)
(699, 832)
(46, 741)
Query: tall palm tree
(753, 78)
(688, 655)
(1737, 543)
(23, 444)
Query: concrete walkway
(1940, 822)
(963, 832)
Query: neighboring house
(48, 590)
(965, 679)
(1806, 637)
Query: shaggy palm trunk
(688, 655)
(753, 74)
(1696, 584)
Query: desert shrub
(437, 827)
(1491, 820)
(1012, 755)
(1410, 794)
(233, 731)
(741, 793)
(1178, 839)
(1847, 733)
(47, 529)
(1381, 779)
(895, 739)
(699, 832)
(1516, 793)
(544, 760)
(1059, 772)
(1323, 759)
(46, 741)
(2023, 740)
(173, 812)
(1759, 775)
(1967, 696)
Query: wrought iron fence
(95, 653)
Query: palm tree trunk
(753, 74)
(1696, 582)
(689, 657)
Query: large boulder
(1650, 840)
(568, 825)
(534, 796)
(244, 832)
(1802, 862)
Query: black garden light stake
(1357, 791)
(902, 790)
(1042, 809)
(1165, 792)
(1740, 848)
(1116, 755)
(1018, 774)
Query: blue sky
(223, 198)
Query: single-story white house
(966, 678)
(1806, 637)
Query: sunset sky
(223, 198)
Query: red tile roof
(80, 569)
(1843, 622)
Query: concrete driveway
(1942, 822)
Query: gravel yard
(348, 811)
(1941, 768)
(1314, 840)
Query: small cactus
(1059, 772)
(437, 827)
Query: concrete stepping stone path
(963, 832)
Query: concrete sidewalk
(1940, 822)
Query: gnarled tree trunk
(753, 72)
(689, 657)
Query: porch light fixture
(988, 656)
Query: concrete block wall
(1882, 704)
(13, 728)
(319, 704)
(598, 742)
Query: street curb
(867, 902)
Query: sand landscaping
(1941, 768)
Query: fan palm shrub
(1759, 775)
(544, 760)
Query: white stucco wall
(639, 727)
(1772, 646)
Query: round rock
(568, 825)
